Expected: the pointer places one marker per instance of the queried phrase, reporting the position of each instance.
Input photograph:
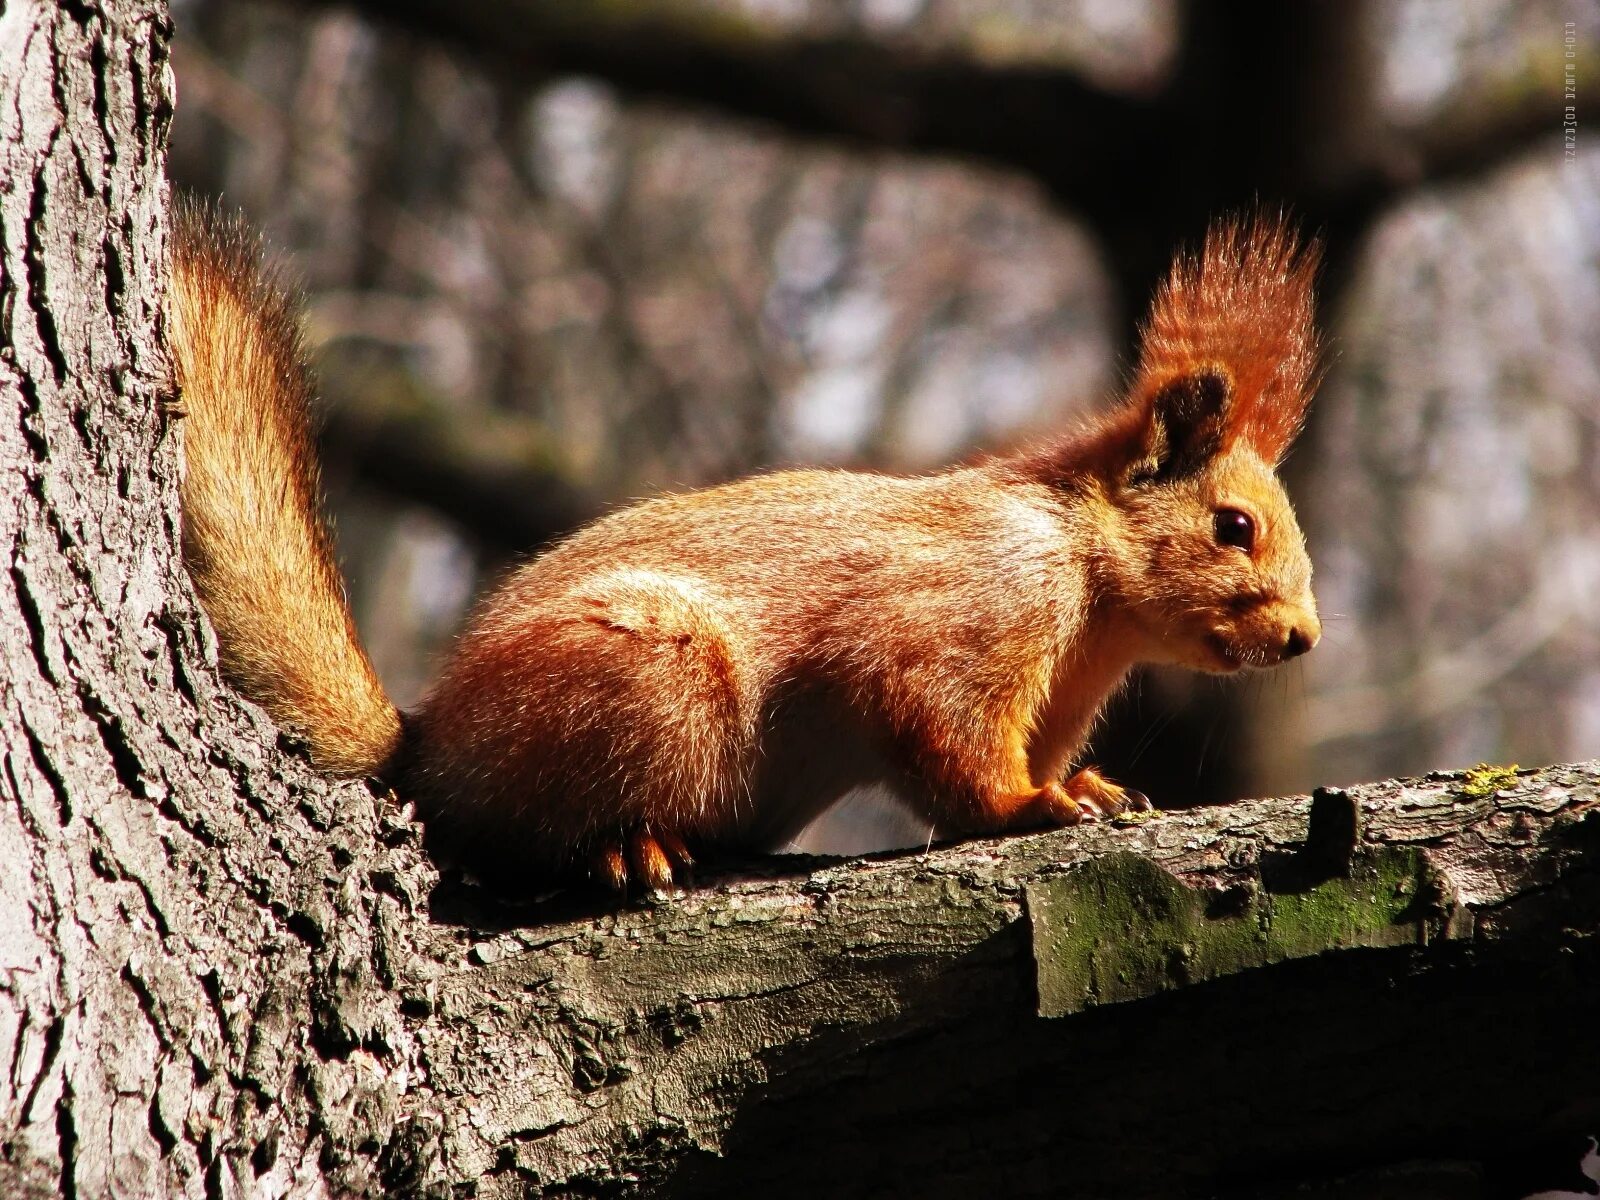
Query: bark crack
(52, 777)
(54, 1034)
(34, 257)
(125, 760)
(67, 1144)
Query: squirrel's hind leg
(656, 860)
(594, 730)
(666, 657)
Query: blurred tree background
(560, 255)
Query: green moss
(1485, 779)
(1121, 927)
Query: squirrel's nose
(1299, 641)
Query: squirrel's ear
(1184, 422)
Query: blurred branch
(492, 473)
(1253, 107)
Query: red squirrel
(715, 668)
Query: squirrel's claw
(1137, 801)
(611, 869)
(1097, 796)
(656, 860)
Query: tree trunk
(178, 896)
(226, 976)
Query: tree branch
(1099, 1011)
(493, 475)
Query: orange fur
(715, 668)
(253, 536)
(1246, 302)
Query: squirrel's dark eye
(1235, 528)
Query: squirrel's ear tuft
(1184, 426)
(1244, 304)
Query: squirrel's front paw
(1054, 805)
(1095, 796)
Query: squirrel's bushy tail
(253, 534)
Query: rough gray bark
(175, 892)
(221, 975)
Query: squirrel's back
(253, 537)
